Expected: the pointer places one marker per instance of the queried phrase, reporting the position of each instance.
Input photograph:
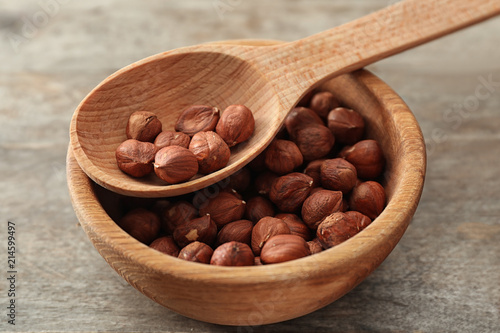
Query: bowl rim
(385, 231)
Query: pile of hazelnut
(315, 186)
(200, 142)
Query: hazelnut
(165, 244)
(346, 125)
(141, 224)
(319, 205)
(201, 229)
(171, 138)
(367, 157)
(289, 192)
(335, 229)
(175, 164)
(197, 118)
(299, 117)
(239, 231)
(315, 246)
(362, 221)
(210, 150)
(281, 248)
(264, 181)
(233, 254)
(283, 156)
(338, 174)
(257, 208)
(143, 126)
(135, 158)
(368, 198)
(313, 170)
(236, 124)
(265, 229)
(323, 102)
(314, 141)
(240, 180)
(296, 225)
(177, 214)
(225, 207)
(196, 252)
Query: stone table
(444, 274)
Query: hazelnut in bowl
(261, 289)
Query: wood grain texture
(268, 79)
(231, 296)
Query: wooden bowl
(268, 294)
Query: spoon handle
(354, 45)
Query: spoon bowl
(269, 80)
(166, 84)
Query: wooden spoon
(270, 80)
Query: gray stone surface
(442, 277)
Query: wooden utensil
(270, 80)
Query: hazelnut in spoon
(269, 80)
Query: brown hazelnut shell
(368, 198)
(135, 158)
(296, 225)
(367, 157)
(239, 181)
(338, 175)
(319, 205)
(201, 229)
(346, 125)
(176, 214)
(233, 254)
(196, 252)
(239, 231)
(335, 229)
(141, 224)
(281, 248)
(225, 207)
(265, 229)
(143, 126)
(197, 118)
(175, 164)
(210, 150)
(362, 221)
(289, 192)
(300, 117)
(236, 124)
(314, 141)
(283, 156)
(171, 138)
(323, 102)
(165, 244)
